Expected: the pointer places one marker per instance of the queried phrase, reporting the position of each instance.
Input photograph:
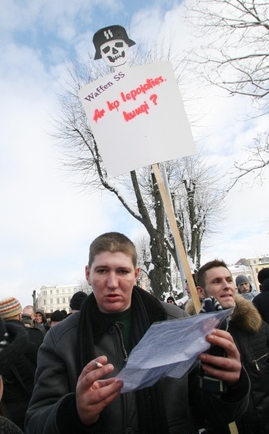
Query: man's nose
(112, 280)
(226, 284)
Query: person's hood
(43, 315)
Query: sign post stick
(177, 238)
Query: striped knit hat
(9, 307)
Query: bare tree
(137, 191)
(235, 57)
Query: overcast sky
(46, 222)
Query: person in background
(262, 275)
(261, 301)
(244, 287)
(40, 317)
(251, 336)
(29, 310)
(88, 349)
(56, 317)
(13, 340)
(77, 301)
(41, 320)
(19, 377)
(171, 300)
(64, 312)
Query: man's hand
(94, 394)
(226, 368)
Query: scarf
(146, 309)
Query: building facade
(51, 298)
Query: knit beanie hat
(14, 340)
(9, 307)
(77, 300)
(263, 274)
(241, 279)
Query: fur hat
(77, 300)
(13, 341)
(9, 307)
(263, 274)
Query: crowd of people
(60, 376)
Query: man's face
(112, 277)
(38, 318)
(244, 287)
(187, 288)
(219, 284)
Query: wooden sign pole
(177, 238)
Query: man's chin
(228, 304)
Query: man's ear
(137, 271)
(201, 292)
(87, 272)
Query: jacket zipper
(122, 342)
(257, 360)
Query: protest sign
(137, 117)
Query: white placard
(137, 117)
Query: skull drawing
(112, 44)
(115, 52)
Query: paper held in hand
(169, 348)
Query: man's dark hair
(200, 275)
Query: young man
(76, 391)
(251, 336)
(244, 287)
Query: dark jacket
(19, 378)
(8, 427)
(261, 301)
(251, 336)
(53, 407)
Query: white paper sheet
(169, 348)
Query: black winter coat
(251, 336)
(8, 427)
(261, 302)
(19, 379)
